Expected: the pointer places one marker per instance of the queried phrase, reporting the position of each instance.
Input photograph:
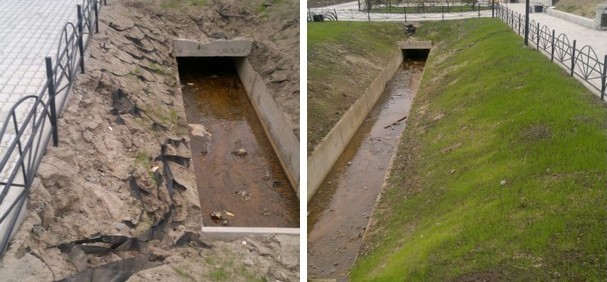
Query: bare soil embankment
(323, 3)
(584, 8)
(120, 178)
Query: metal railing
(407, 12)
(580, 62)
(28, 136)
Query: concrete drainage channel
(336, 227)
(244, 153)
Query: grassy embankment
(337, 48)
(501, 172)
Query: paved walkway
(29, 31)
(585, 36)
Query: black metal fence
(28, 135)
(414, 11)
(580, 62)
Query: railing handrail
(583, 62)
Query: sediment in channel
(340, 210)
(239, 176)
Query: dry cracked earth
(116, 200)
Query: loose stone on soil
(241, 152)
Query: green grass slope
(491, 112)
(343, 59)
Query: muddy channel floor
(340, 211)
(239, 177)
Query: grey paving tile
(29, 31)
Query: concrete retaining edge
(330, 148)
(273, 120)
(213, 233)
(585, 22)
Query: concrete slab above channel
(410, 44)
(219, 48)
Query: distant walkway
(349, 12)
(585, 36)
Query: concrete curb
(250, 230)
(331, 147)
(585, 22)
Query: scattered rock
(199, 130)
(244, 195)
(240, 152)
(218, 216)
(218, 35)
(121, 227)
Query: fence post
(518, 27)
(51, 100)
(573, 58)
(96, 17)
(527, 23)
(512, 17)
(552, 50)
(537, 40)
(80, 38)
(604, 79)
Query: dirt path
(120, 177)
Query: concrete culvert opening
(415, 50)
(416, 54)
(240, 179)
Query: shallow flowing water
(340, 210)
(239, 177)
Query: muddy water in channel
(340, 210)
(236, 168)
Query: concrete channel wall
(273, 120)
(328, 151)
